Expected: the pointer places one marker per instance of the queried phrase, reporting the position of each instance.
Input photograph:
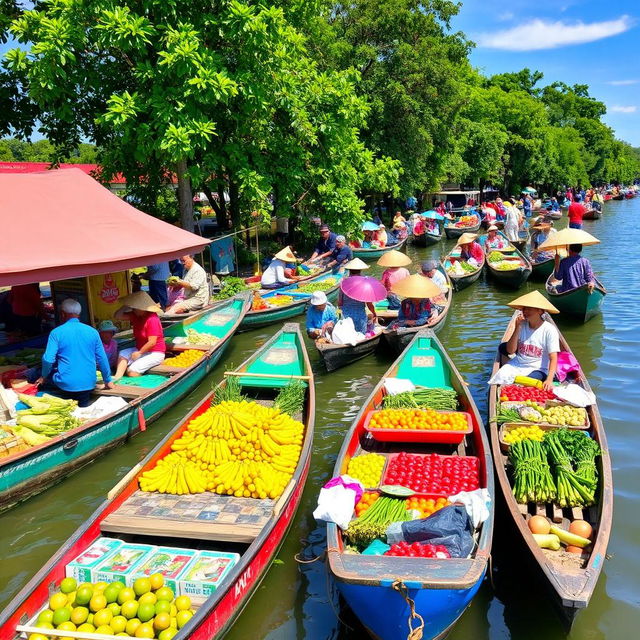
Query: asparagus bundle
(373, 523)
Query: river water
(299, 600)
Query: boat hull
(334, 356)
(578, 303)
(592, 214)
(373, 254)
(455, 232)
(386, 612)
(425, 239)
(542, 270)
(513, 279)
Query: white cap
(318, 298)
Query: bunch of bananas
(241, 448)
(173, 474)
(185, 359)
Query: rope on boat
(322, 556)
(415, 633)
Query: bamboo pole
(241, 374)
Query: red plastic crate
(419, 435)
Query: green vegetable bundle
(229, 392)
(194, 337)
(322, 285)
(508, 415)
(468, 267)
(290, 399)
(373, 523)
(533, 481)
(230, 287)
(495, 256)
(436, 398)
(47, 415)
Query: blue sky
(590, 42)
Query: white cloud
(622, 83)
(623, 109)
(541, 34)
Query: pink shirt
(145, 326)
(391, 277)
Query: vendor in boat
(470, 250)
(416, 309)
(142, 312)
(429, 269)
(574, 271)
(195, 285)
(380, 236)
(74, 352)
(325, 245)
(107, 331)
(340, 255)
(400, 230)
(395, 263)
(275, 275)
(321, 316)
(542, 232)
(398, 217)
(420, 226)
(533, 347)
(494, 239)
(355, 309)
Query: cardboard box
(168, 561)
(81, 567)
(206, 572)
(123, 563)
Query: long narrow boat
(553, 215)
(543, 269)
(513, 278)
(578, 302)
(256, 318)
(334, 356)
(426, 238)
(592, 214)
(372, 254)
(570, 578)
(256, 534)
(440, 589)
(452, 232)
(32, 471)
(459, 282)
(399, 339)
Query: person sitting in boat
(533, 347)
(488, 214)
(398, 217)
(416, 308)
(355, 267)
(325, 245)
(380, 236)
(107, 331)
(432, 226)
(274, 275)
(494, 240)
(555, 205)
(321, 316)
(542, 232)
(142, 312)
(340, 255)
(355, 309)
(429, 269)
(195, 285)
(574, 271)
(400, 230)
(420, 226)
(74, 352)
(395, 271)
(470, 250)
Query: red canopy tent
(64, 224)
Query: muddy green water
(299, 601)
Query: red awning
(64, 224)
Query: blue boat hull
(384, 612)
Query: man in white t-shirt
(534, 345)
(195, 285)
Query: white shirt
(274, 274)
(439, 280)
(197, 279)
(535, 345)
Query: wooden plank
(522, 508)
(123, 390)
(541, 510)
(163, 368)
(576, 513)
(248, 374)
(557, 513)
(199, 530)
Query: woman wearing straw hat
(470, 250)
(416, 308)
(533, 347)
(400, 229)
(274, 275)
(494, 241)
(355, 266)
(395, 271)
(542, 231)
(142, 312)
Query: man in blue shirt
(321, 315)
(74, 352)
(157, 275)
(340, 255)
(325, 246)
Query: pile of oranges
(419, 419)
(365, 502)
(425, 506)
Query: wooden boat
(440, 589)
(543, 269)
(254, 319)
(571, 585)
(268, 369)
(426, 239)
(578, 303)
(592, 214)
(373, 254)
(460, 282)
(553, 215)
(619, 196)
(30, 472)
(515, 277)
(399, 339)
(453, 232)
(334, 356)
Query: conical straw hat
(465, 238)
(140, 300)
(568, 236)
(394, 258)
(356, 264)
(286, 255)
(416, 286)
(535, 300)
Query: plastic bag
(337, 499)
(476, 503)
(567, 364)
(574, 394)
(507, 373)
(449, 526)
(344, 332)
(394, 386)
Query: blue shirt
(75, 348)
(159, 271)
(316, 319)
(342, 255)
(329, 244)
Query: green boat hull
(374, 254)
(43, 466)
(542, 270)
(578, 303)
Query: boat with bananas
(228, 537)
(199, 342)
